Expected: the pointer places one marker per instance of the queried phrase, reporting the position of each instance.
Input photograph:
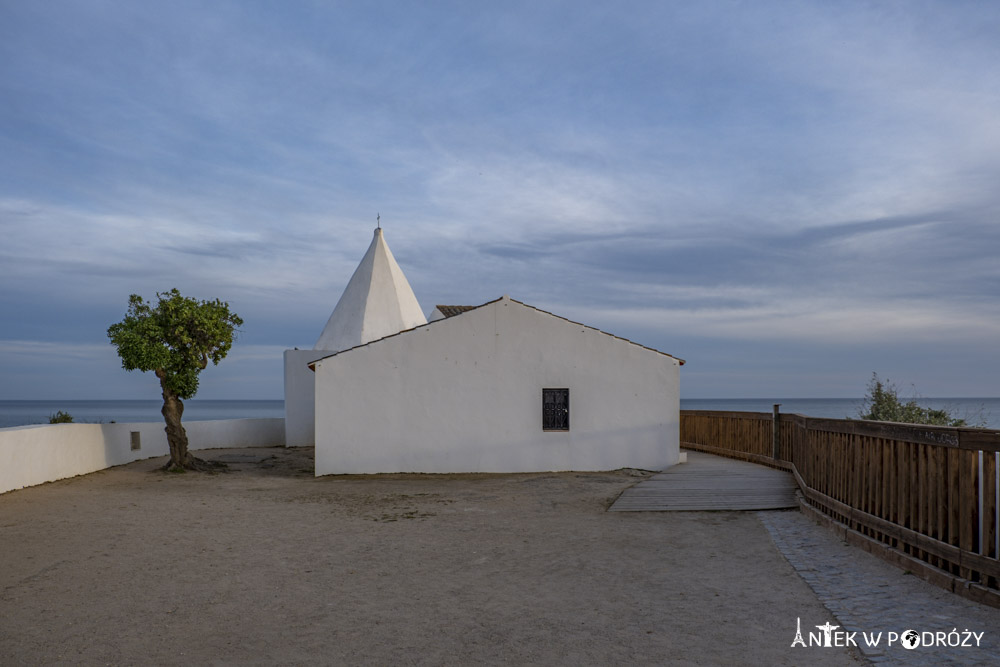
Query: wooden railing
(923, 497)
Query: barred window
(555, 409)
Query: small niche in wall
(133, 438)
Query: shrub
(61, 418)
(882, 403)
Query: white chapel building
(377, 302)
(500, 387)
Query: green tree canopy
(175, 339)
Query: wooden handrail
(946, 436)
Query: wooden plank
(902, 472)
(979, 439)
(912, 489)
(890, 509)
(776, 433)
(954, 514)
(968, 530)
(832, 464)
(989, 518)
(841, 466)
(933, 497)
(821, 438)
(917, 491)
(881, 482)
(864, 474)
(857, 473)
(870, 451)
(923, 491)
(930, 497)
(763, 416)
(932, 435)
(941, 491)
(711, 483)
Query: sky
(789, 196)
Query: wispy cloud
(756, 173)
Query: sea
(983, 412)
(22, 413)
(978, 412)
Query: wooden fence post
(776, 432)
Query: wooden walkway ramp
(708, 482)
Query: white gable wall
(464, 394)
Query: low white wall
(300, 397)
(32, 455)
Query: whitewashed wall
(300, 397)
(32, 455)
(464, 394)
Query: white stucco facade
(377, 302)
(464, 394)
(300, 397)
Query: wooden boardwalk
(708, 482)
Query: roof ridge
(520, 303)
(587, 326)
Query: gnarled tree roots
(194, 463)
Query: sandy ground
(266, 564)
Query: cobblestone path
(867, 595)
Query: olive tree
(175, 339)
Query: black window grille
(555, 409)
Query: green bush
(61, 418)
(882, 403)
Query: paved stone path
(865, 594)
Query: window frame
(546, 421)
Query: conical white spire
(377, 302)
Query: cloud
(31, 352)
(740, 172)
(807, 319)
(34, 369)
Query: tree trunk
(172, 410)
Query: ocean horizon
(980, 412)
(977, 411)
(28, 412)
